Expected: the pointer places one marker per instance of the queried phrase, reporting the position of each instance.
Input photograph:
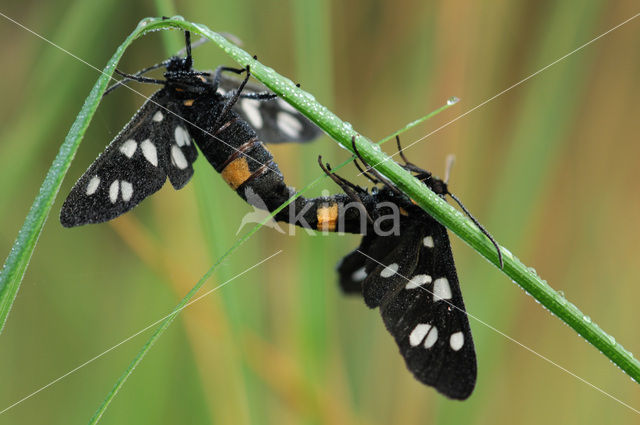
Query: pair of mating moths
(411, 277)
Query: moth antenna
(480, 226)
(348, 187)
(451, 159)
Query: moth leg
(409, 166)
(263, 95)
(420, 173)
(367, 175)
(348, 187)
(139, 78)
(236, 93)
(188, 60)
(372, 170)
(198, 43)
(139, 74)
(217, 74)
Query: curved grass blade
(16, 263)
(169, 319)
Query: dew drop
(586, 319)
(453, 100)
(611, 339)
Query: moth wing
(177, 145)
(354, 268)
(425, 313)
(133, 166)
(274, 120)
(413, 281)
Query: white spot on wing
(177, 157)
(456, 341)
(286, 107)
(418, 280)
(359, 275)
(441, 289)
(390, 270)
(93, 184)
(149, 151)
(431, 338)
(113, 191)
(418, 333)
(157, 117)
(128, 148)
(182, 136)
(289, 124)
(428, 242)
(250, 109)
(127, 190)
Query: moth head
(177, 64)
(184, 80)
(436, 185)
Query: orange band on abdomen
(328, 217)
(236, 172)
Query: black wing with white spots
(357, 265)
(154, 145)
(274, 120)
(415, 285)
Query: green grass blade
(169, 319)
(312, 47)
(16, 263)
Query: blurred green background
(550, 168)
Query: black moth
(157, 143)
(412, 279)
